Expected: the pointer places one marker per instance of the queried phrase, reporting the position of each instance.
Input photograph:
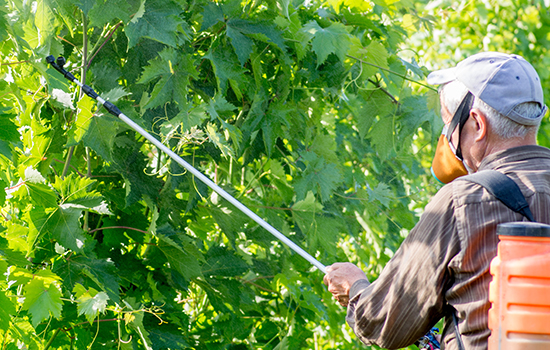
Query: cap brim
(442, 76)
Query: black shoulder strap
(503, 188)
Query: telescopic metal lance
(111, 108)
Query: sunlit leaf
(7, 308)
(42, 301)
(173, 71)
(333, 39)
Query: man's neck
(498, 144)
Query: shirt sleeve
(409, 296)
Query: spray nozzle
(61, 61)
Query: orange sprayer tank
(519, 317)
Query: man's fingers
(326, 280)
(339, 278)
(343, 300)
(335, 290)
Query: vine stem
(81, 94)
(68, 42)
(392, 72)
(67, 162)
(105, 42)
(5, 338)
(52, 339)
(83, 323)
(384, 91)
(88, 175)
(12, 63)
(122, 227)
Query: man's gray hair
(452, 94)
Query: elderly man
(492, 105)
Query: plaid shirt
(446, 257)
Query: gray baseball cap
(500, 80)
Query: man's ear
(481, 125)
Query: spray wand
(111, 108)
(428, 341)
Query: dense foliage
(462, 28)
(304, 111)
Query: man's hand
(339, 279)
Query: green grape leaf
(91, 303)
(327, 233)
(381, 193)
(226, 67)
(333, 39)
(84, 5)
(220, 261)
(79, 290)
(293, 30)
(161, 338)
(173, 70)
(371, 58)
(3, 185)
(211, 15)
(241, 43)
(230, 219)
(159, 21)
(129, 162)
(3, 25)
(184, 120)
(63, 223)
(42, 301)
(368, 106)
(219, 107)
(64, 226)
(41, 195)
(414, 112)
(283, 344)
(100, 136)
(382, 136)
(5, 150)
(10, 253)
(83, 118)
(273, 123)
(240, 31)
(114, 94)
(394, 80)
(9, 129)
(181, 259)
(102, 272)
(41, 142)
(308, 204)
(325, 146)
(413, 67)
(45, 21)
(307, 214)
(104, 11)
(7, 308)
(283, 6)
(77, 190)
(218, 140)
(321, 177)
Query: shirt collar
(493, 161)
